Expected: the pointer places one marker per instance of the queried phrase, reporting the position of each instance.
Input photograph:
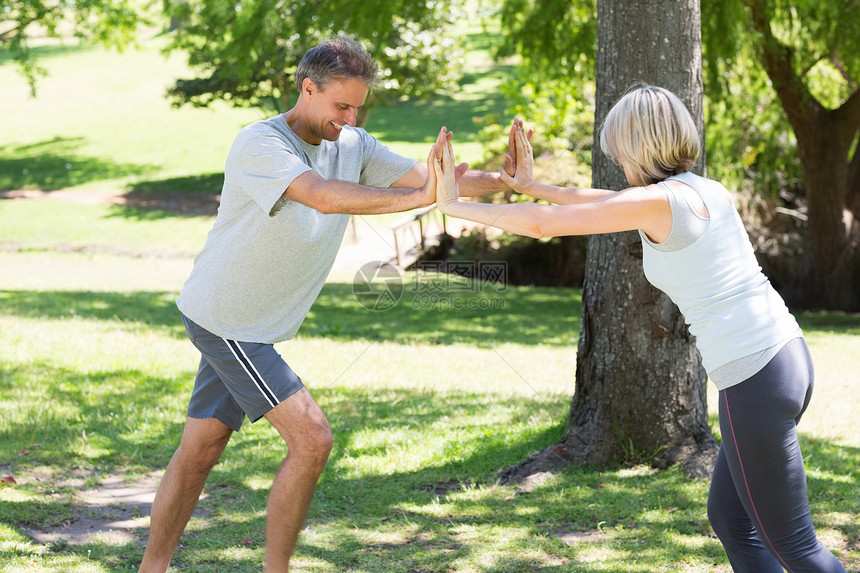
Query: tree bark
(829, 276)
(640, 387)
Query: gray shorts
(237, 379)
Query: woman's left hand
(447, 189)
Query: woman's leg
(758, 421)
(733, 526)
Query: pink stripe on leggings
(746, 485)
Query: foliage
(750, 141)
(748, 137)
(823, 37)
(553, 84)
(247, 53)
(110, 22)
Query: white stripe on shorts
(251, 371)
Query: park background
(427, 403)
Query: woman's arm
(472, 183)
(522, 180)
(645, 208)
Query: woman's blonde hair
(651, 131)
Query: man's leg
(203, 441)
(304, 428)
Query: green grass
(427, 401)
(101, 121)
(427, 405)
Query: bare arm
(522, 179)
(336, 196)
(645, 208)
(635, 208)
(415, 189)
(472, 183)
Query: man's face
(335, 106)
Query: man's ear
(309, 87)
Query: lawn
(428, 402)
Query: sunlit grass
(97, 383)
(427, 405)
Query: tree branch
(796, 99)
(21, 25)
(810, 66)
(8, 35)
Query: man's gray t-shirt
(267, 257)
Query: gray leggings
(757, 504)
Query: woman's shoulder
(705, 186)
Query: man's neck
(294, 120)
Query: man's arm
(335, 196)
(415, 189)
(471, 183)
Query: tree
(247, 53)
(782, 104)
(810, 51)
(640, 386)
(110, 22)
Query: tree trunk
(830, 263)
(830, 271)
(640, 386)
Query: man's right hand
(443, 141)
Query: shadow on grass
(430, 518)
(478, 315)
(204, 183)
(97, 409)
(56, 164)
(638, 510)
(82, 427)
(524, 316)
(829, 321)
(47, 51)
(156, 309)
(191, 196)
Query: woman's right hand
(447, 189)
(522, 179)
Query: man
(290, 184)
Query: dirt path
(114, 511)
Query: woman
(697, 251)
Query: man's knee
(304, 428)
(316, 446)
(203, 442)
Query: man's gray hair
(339, 58)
